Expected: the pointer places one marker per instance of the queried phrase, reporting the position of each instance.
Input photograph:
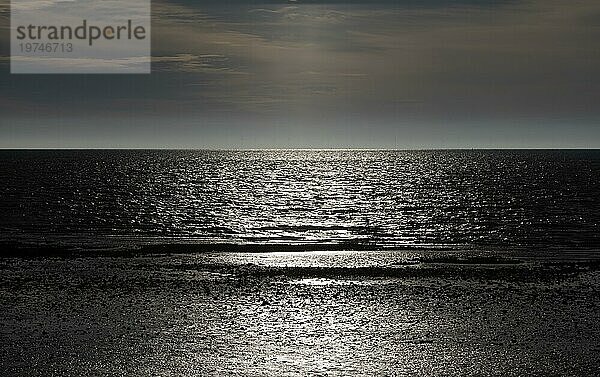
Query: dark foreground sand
(275, 314)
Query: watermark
(80, 36)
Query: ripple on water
(536, 199)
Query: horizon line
(296, 149)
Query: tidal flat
(298, 313)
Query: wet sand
(309, 313)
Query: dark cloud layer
(331, 74)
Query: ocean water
(520, 199)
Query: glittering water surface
(537, 199)
(297, 314)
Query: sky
(329, 74)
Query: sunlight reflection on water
(189, 315)
(390, 198)
(321, 282)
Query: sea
(532, 200)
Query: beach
(298, 313)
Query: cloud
(81, 65)
(297, 14)
(383, 62)
(190, 63)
